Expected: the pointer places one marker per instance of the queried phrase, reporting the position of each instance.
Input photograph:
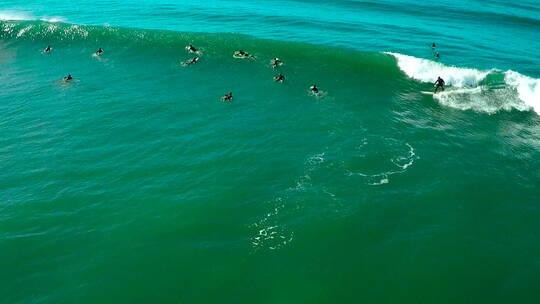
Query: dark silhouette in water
(439, 83)
(275, 62)
(227, 97)
(191, 49)
(279, 78)
(242, 54)
(190, 61)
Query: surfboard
(427, 93)
(243, 57)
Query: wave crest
(23, 16)
(528, 89)
(485, 91)
(471, 89)
(428, 71)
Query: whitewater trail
(469, 88)
(428, 71)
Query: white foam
(428, 71)
(15, 16)
(269, 232)
(405, 161)
(316, 159)
(401, 161)
(24, 16)
(519, 92)
(528, 89)
(482, 99)
(24, 30)
(54, 19)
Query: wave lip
(23, 16)
(528, 89)
(428, 71)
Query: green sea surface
(133, 183)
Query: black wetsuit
(243, 54)
(190, 61)
(227, 97)
(439, 84)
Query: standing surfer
(439, 84)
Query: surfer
(99, 52)
(275, 62)
(227, 97)
(242, 54)
(48, 49)
(190, 61)
(191, 49)
(437, 55)
(439, 84)
(279, 78)
(314, 89)
(68, 78)
(433, 46)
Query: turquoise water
(134, 184)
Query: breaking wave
(470, 89)
(486, 91)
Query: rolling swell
(472, 89)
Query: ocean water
(133, 183)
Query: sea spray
(470, 89)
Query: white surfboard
(427, 93)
